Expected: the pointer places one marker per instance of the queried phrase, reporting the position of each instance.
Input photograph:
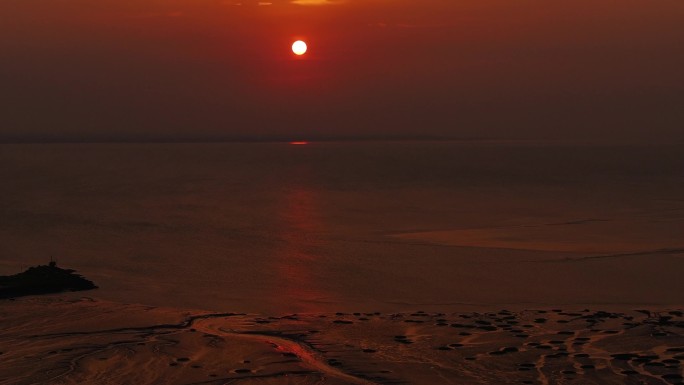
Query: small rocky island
(43, 279)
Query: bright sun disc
(299, 47)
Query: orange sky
(528, 69)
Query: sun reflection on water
(295, 261)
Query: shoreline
(387, 307)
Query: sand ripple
(57, 341)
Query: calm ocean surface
(277, 228)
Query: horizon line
(221, 140)
(278, 139)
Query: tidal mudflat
(58, 340)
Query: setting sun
(299, 47)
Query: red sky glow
(180, 69)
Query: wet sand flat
(57, 340)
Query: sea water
(342, 226)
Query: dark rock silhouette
(43, 279)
